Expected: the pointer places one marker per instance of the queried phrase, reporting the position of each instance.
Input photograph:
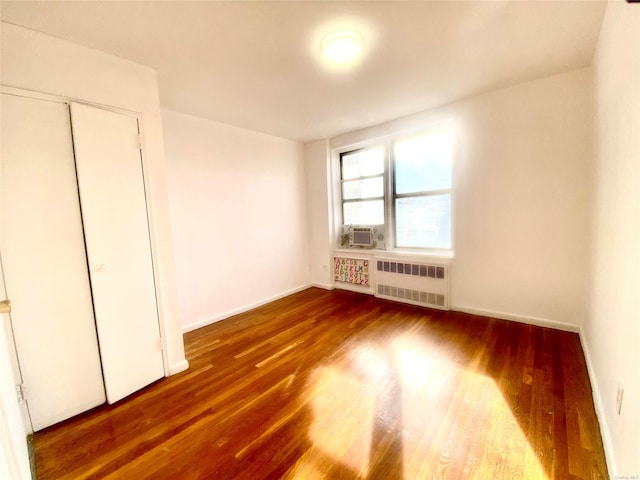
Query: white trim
(540, 322)
(181, 366)
(356, 254)
(52, 97)
(14, 428)
(325, 286)
(230, 313)
(14, 453)
(597, 401)
(12, 462)
(412, 257)
(427, 255)
(354, 287)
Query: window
(422, 191)
(417, 171)
(363, 186)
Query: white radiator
(418, 283)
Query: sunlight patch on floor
(343, 414)
(454, 423)
(457, 423)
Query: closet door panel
(45, 265)
(112, 195)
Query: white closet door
(14, 454)
(45, 264)
(114, 210)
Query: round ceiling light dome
(342, 48)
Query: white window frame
(384, 175)
(390, 196)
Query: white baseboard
(355, 288)
(181, 366)
(325, 286)
(597, 401)
(540, 322)
(245, 308)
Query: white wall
(612, 330)
(521, 198)
(238, 208)
(319, 212)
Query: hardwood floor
(339, 385)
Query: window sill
(438, 255)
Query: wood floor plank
(339, 385)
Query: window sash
(352, 201)
(434, 230)
(365, 187)
(362, 151)
(425, 193)
(390, 198)
(376, 202)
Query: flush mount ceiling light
(342, 48)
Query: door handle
(5, 306)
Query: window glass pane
(363, 163)
(371, 187)
(424, 221)
(423, 163)
(369, 212)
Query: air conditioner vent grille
(418, 270)
(425, 284)
(427, 298)
(361, 236)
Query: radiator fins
(415, 283)
(428, 298)
(418, 270)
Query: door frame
(15, 426)
(146, 175)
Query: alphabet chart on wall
(351, 270)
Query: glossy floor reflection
(342, 386)
(383, 409)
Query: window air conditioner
(361, 236)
